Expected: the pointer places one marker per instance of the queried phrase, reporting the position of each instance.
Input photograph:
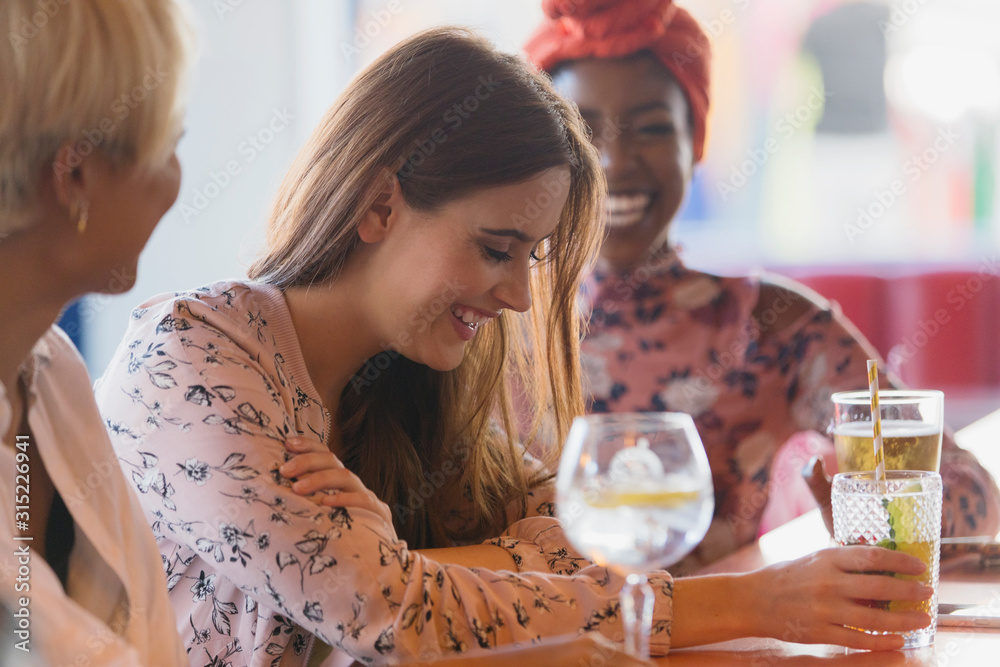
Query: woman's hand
(812, 599)
(319, 474)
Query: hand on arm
(321, 476)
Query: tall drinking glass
(912, 423)
(903, 514)
(634, 493)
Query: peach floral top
(726, 351)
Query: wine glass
(634, 493)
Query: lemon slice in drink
(904, 537)
(902, 512)
(622, 498)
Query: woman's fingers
(333, 487)
(301, 464)
(876, 559)
(847, 630)
(322, 476)
(330, 479)
(879, 587)
(882, 620)
(300, 445)
(835, 634)
(827, 594)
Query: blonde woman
(422, 261)
(84, 178)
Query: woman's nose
(515, 290)
(616, 158)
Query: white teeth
(626, 210)
(468, 318)
(626, 203)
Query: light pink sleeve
(222, 444)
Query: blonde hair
(410, 425)
(107, 75)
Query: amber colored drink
(925, 552)
(903, 513)
(907, 445)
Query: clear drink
(638, 530)
(634, 493)
(907, 445)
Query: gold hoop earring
(81, 223)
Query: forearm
(484, 556)
(713, 608)
(539, 544)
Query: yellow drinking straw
(876, 425)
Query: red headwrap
(578, 29)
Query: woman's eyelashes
(495, 255)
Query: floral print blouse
(199, 398)
(753, 367)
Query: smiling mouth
(625, 210)
(468, 318)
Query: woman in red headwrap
(753, 359)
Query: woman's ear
(70, 175)
(382, 215)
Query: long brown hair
(449, 114)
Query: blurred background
(854, 145)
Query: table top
(804, 535)
(953, 646)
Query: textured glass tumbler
(905, 516)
